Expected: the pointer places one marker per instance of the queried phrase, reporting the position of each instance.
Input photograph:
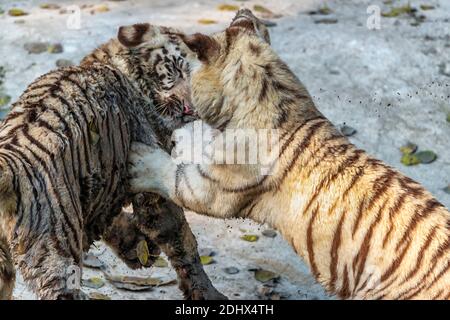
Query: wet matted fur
(63, 173)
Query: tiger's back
(63, 151)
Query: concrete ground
(390, 84)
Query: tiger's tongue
(187, 109)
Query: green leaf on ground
(250, 237)
(324, 10)
(206, 21)
(55, 48)
(16, 12)
(425, 7)
(205, 260)
(426, 156)
(265, 275)
(4, 99)
(228, 7)
(409, 160)
(397, 11)
(261, 9)
(448, 117)
(408, 148)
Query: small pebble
(326, 21)
(347, 130)
(231, 270)
(36, 47)
(55, 48)
(269, 23)
(208, 252)
(444, 69)
(447, 189)
(269, 233)
(64, 63)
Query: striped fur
(366, 230)
(63, 175)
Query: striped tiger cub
(63, 166)
(365, 230)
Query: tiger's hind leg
(50, 268)
(164, 222)
(7, 271)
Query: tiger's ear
(204, 46)
(134, 35)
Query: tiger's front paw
(147, 168)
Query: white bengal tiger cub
(63, 166)
(366, 231)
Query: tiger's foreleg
(165, 223)
(153, 170)
(124, 237)
(7, 271)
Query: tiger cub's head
(154, 59)
(237, 79)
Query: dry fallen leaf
(102, 8)
(142, 252)
(93, 133)
(49, 6)
(409, 159)
(207, 21)
(140, 281)
(160, 262)
(98, 296)
(408, 148)
(94, 283)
